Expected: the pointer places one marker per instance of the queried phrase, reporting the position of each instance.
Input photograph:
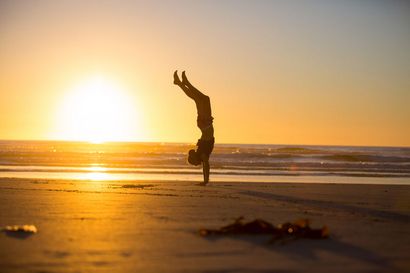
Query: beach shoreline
(152, 226)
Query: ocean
(229, 162)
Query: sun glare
(99, 110)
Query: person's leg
(192, 88)
(184, 88)
(187, 91)
(185, 85)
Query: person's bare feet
(177, 81)
(184, 78)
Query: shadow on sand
(308, 249)
(392, 216)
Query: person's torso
(207, 132)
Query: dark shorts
(205, 146)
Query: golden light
(97, 173)
(99, 110)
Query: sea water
(229, 162)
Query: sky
(277, 72)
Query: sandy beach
(148, 226)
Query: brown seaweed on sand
(21, 232)
(281, 233)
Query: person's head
(194, 158)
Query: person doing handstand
(204, 120)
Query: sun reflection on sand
(97, 169)
(97, 173)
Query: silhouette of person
(204, 120)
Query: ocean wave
(366, 158)
(235, 159)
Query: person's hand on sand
(177, 81)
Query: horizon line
(226, 143)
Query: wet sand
(117, 226)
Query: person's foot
(184, 78)
(177, 81)
(202, 184)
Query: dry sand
(93, 226)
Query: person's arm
(205, 168)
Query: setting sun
(99, 110)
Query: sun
(99, 110)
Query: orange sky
(284, 72)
